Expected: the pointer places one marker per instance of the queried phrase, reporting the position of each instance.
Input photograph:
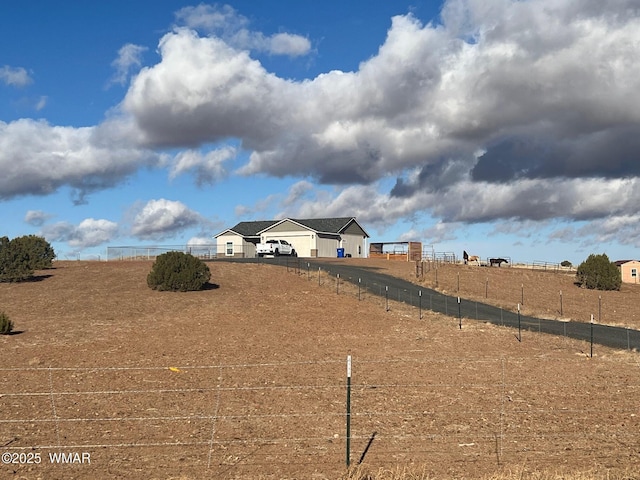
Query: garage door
(301, 243)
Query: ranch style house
(629, 270)
(310, 237)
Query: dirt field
(247, 379)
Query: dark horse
(497, 261)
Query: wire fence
(384, 289)
(204, 252)
(548, 266)
(239, 419)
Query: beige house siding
(238, 248)
(301, 241)
(327, 246)
(286, 226)
(301, 238)
(630, 271)
(353, 245)
(354, 229)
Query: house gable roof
(249, 229)
(622, 262)
(322, 225)
(319, 225)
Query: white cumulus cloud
(504, 109)
(129, 57)
(88, 233)
(208, 168)
(37, 158)
(15, 76)
(161, 219)
(225, 22)
(36, 218)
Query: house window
(634, 272)
(229, 250)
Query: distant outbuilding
(628, 270)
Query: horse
(470, 258)
(497, 261)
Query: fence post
(519, 329)
(459, 315)
(348, 410)
(386, 297)
(628, 340)
(599, 308)
(591, 354)
(420, 304)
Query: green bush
(40, 252)
(14, 262)
(178, 272)
(22, 255)
(598, 273)
(566, 263)
(6, 325)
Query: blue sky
(505, 128)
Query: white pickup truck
(275, 248)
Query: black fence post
(386, 298)
(591, 354)
(348, 410)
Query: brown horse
(497, 261)
(470, 258)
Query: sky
(506, 128)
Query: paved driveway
(377, 283)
